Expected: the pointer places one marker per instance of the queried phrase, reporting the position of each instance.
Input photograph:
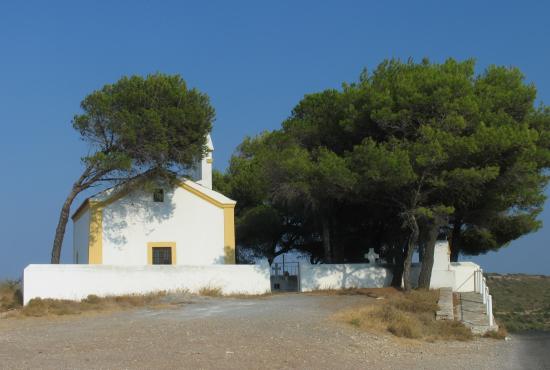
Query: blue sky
(255, 59)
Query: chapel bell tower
(203, 172)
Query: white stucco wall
(76, 282)
(81, 234)
(343, 276)
(442, 256)
(194, 224)
(459, 276)
(442, 279)
(442, 276)
(464, 272)
(201, 172)
(205, 177)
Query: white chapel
(187, 224)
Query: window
(158, 195)
(162, 255)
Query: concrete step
(474, 314)
(445, 303)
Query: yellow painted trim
(95, 237)
(229, 234)
(122, 192)
(151, 245)
(206, 197)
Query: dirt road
(275, 332)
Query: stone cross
(372, 256)
(276, 268)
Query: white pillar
(480, 280)
(484, 290)
(490, 309)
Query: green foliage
(381, 165)
(156, 122)
(138, 127)
(410, 146)
(521, 302)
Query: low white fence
(482, 288)
(343, 276)
(458, 276)
(78, 281)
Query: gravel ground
(279, 331)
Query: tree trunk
(272, 253)
(397, 278)
(62, 223)
(455, 241)
(337, 254)
(413, 239)
(428, 257)
(326, 239)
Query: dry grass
(214, 291)
(211, 291)
(93, 303)
(408, 315)
(11, 303)
(370, 292)
(38, 307)
(501, 333)
(248, 296)
(11, 296)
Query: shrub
(405, 328)
(92, 299)
(417, 301)
(44, 307)
(211, 291)
(501, 333)
(11, 295)
(408, 315)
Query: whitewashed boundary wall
(464, 276)
(460, 276)
(76, 282)
(343, 276)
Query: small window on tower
(158, 195)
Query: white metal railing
(480, 283)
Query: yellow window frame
(151, 245)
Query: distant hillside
(521, 302)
